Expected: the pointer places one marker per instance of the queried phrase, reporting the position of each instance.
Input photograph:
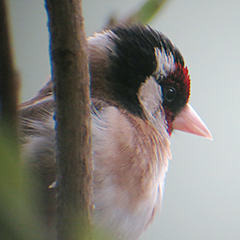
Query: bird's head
(139, 70)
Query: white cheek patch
(165, 62)
(150, 96)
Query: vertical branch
(16, 216)
(71, 85)
(8, 80)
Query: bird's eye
(170, 94)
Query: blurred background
(202, 191)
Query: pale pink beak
(189, 121)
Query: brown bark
(71, 85)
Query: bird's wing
(37, 136)
(37, 129)
(36, 115)
(43, 95)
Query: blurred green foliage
(144, 14)
(147, 11)
(17, 219)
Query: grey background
(202, 192)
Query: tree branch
(8, 79)
(71, 85)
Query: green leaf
(146, 12)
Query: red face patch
(177, 82)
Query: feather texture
(135, 75)
(129, 156)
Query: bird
(140, 90)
